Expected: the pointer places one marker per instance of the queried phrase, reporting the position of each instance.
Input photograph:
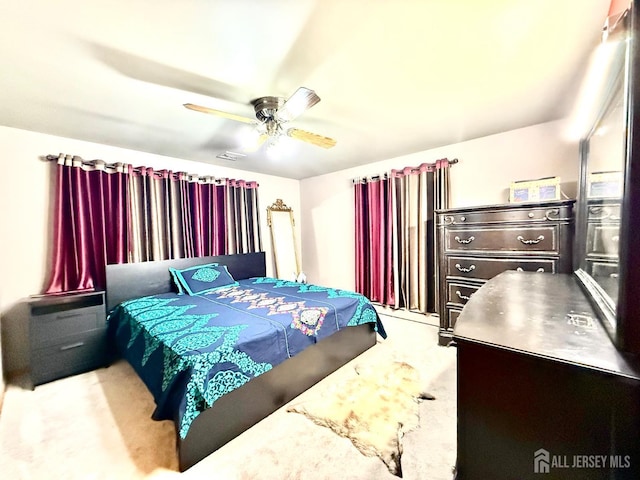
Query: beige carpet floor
(97, 426)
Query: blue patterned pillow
(176, 280)
(204, 278)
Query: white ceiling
(394, 77)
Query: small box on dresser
(477, 243)
(67, 335)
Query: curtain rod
(453, 161)
(191, 177)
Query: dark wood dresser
(67, 335)
(542, 390)
(476, 244)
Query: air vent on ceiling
(233, 156)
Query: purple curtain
(209, 224)
(89, 224)
(105, 214)
(374, 225)
(396, 238)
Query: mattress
(190, 350)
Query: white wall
(1, 369)
(323, 205)
(485, 170)
(24, 224)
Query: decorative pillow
(204, 278)
(176, 280)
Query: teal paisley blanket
(191, 350)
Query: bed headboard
(131, 280)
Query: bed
(215, 384)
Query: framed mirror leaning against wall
(283, 240)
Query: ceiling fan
(272, 113)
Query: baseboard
(413, 316)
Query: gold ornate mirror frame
(283, 239)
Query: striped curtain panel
(176, 215)
(243, 217)
(417, 193)
(396, 236)
(158, 215)
(106, 214)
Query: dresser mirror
(605, 238)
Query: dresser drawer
(602, 239)
(77, 353)
(486, 268)
(452, 316)
(602, 269)
(459, 293)
(515, 214)
(53, 328)
(507, 239)
(604, 213)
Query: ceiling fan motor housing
(266, 107)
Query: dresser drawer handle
(465, 241)
(460, 295)
(471, 268)
(602, 213)
(615, 238)
(539, 270)
(530, 242)
(72, 346)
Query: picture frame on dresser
(608, 209)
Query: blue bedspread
(191, 350)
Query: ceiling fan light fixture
(301, 100)
(273, 127)
(271, 113)
(278, 147)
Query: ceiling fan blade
(220, 113)
(313, 138)
(302, 100)
(150, 71)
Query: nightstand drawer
(67, 334)
(76, 354)
(52, 328)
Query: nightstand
(67, 335)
